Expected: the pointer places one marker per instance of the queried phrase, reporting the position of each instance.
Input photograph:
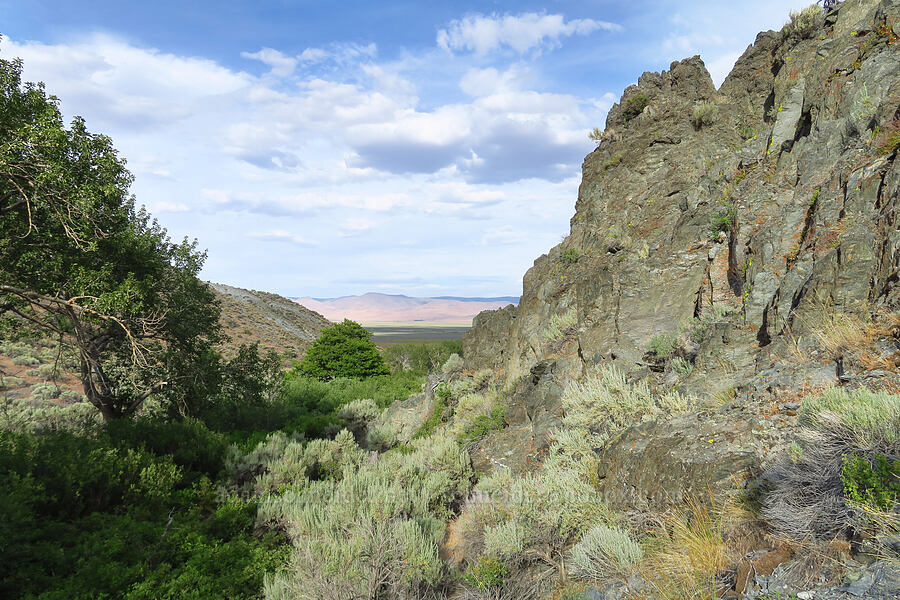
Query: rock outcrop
(748, 225)
(780, 205)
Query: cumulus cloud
(484, 34)
(280, 64)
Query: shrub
(358, 414)
(570, 256)
(704, 114)
(876, 486)
(682, 366)
(635, 105)
(25, 360)
(803, 24)
(560, 324)
(420, 358)
(342, 350)
(604, 404)
(506, 540)
(722, 221)
(487, 573)
(604, 552)
(45, 391)
(374, 528)
(806, 491)
(662, 345)
(454, 364)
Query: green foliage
(342, 350)
(869, 415)
(704, 114)
(436, 416)
(723, 220)
(370, 519)
(604, 552)
(107, 517)
(569, 256)
(635, 105)
(483, 423)
(421, 358)
(71, 231)
(746, 132)
(488, 573)
(559, 324)
(682, 366)
(803, 24)
(663, 344)
(874, 485)
(453, 364)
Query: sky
(337, 148)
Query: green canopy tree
(343, 350)
(78, 261)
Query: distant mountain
(274, 321)
(383, 308)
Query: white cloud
(280, 235)
(168, 207)
(281, 65)
(490, 81)
(527, 31)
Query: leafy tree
(343, 350)
(78, 261)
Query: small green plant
(876, 486)
(635, 105)
(596, 135)
(746, 132)
(682, 366)
(803, 24)
(570, 256)
(704, 114)
(559, 324)
(613, 160)
(482, 424)
(487, 574)
(723, 220)
(662, 344)
(436, 416)
(604, 552)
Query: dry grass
(687, 555)
(839, 333)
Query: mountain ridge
(375, 307)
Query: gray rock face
(779, 208)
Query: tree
(343, 350)
(79, 262)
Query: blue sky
(325, 148)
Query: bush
(487, 573)
(809, 493)
(342, 350)
(559, 324)
(454, 364)
(635, 105)
(604, 552)
(662, 345)
(570, 256)
(604, 404)
(704, 114)
(372, 518)
(873, 485)
(421, 358)
(722, 221)
(803, 24)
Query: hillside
(273, 321)
(735, 252)
(387, 308)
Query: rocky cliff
(740, 244)
(755, 209)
